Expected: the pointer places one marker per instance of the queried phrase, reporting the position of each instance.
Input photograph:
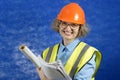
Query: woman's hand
(41, 74)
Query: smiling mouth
(67, 33)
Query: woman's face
(68, 31)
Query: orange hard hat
(72, 13)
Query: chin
(68, 38)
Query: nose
(68, 28)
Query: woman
(80, 60)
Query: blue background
(29, 22)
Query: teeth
(68, 32)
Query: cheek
(60, 31)
(76, 32)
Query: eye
(74, 25)
(64, 23)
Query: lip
(67, 33)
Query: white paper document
(54, 71)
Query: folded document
(54, 71)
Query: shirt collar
(71, 46)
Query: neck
(66, 42)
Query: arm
(87, 71)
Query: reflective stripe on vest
(50, 54)
(73, 70)
(80, 56)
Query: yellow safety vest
(80, 56)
